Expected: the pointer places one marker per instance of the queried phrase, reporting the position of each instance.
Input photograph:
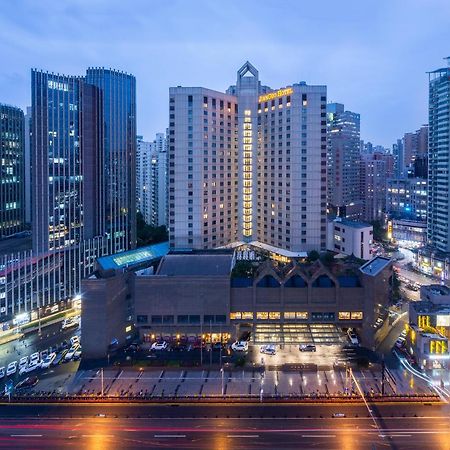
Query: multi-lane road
(226, 426)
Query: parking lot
(325, 355)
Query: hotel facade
(248, 165)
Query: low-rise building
(208, 295)
(429, 327)
(350, 237)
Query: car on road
(307, 347)
(2, 372)
(268, 349)
(23, 362)
(157, 346)
(69, 323)
(400, 342)
(29, 368)
(47, 362)
(239, 346)
(74, 340)
(352, 337)
(27, 383)
(11, 369)
(403, 333)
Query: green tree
(148, 234)
(313, 255)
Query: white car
(74, 340)
(11, 369)
(352, 337)
(400, 342)
(23, 362)
(159, 345)
(268, 349)
(69, 355)
(2, 372)
(35, 358)
(239, 346)
(29, 368)
(47, 362)
(69, 323)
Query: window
(262, 315)
(183, 319)
(142, 319)
(356, 315)
(235, 315)
(247, 315)
(289, 315)
(274, 315)
(157, 319)
(208, 319)
(168, 319)
(344, 315)
(194, 319)
(221, 318)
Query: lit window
(302, 315)
(289, 315)
(344, 315)
(357, 315)
(262, 315)
(235, 315)
(274, 315)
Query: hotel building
(248, 165)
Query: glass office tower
(118, 119)
(12, 201)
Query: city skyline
(333, 48)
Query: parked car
(23, 362)
(2, 372)
(29, 367)
(27, 383)
(307, 348)
(268, 349)
(59, 357)
(239, 346)
(47, 362)
(69, 355)
(77, 354)
(157, 346)
(352, 337)
(69, 323)
(11, 369)
(74, 340)
(35, 358)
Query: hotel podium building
(248, 165)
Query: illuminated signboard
(443, 320)
(276, 94)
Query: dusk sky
(372, 54)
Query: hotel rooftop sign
(276, 94)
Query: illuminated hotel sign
(276, 94)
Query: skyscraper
(117, 111)
(438, 224)
(151, 180)
(12, 170)
(344, 196)
(83, 141)
(66, 154)
(248, 165)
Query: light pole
(221, 370)
(102, 381)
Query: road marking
(242, 435)
(318, 435)
(395, 435)
(170, 435)
(97, 435)
(26, 435)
